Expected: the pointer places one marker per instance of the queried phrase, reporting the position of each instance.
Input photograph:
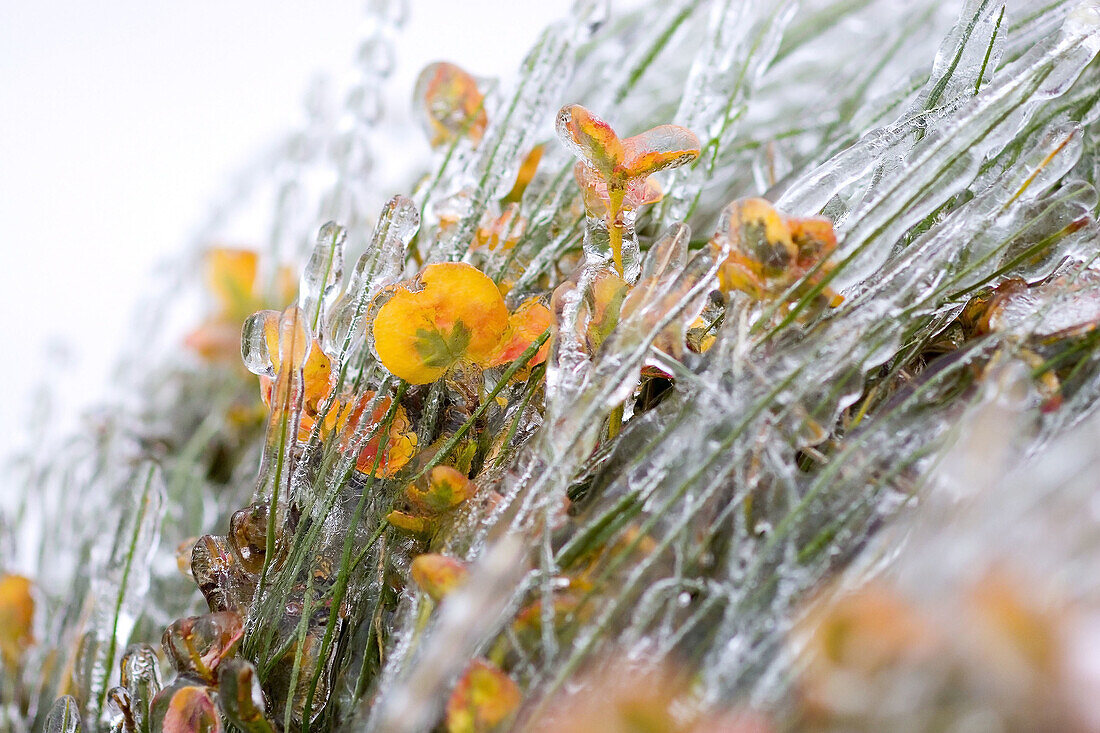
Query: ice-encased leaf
(590, 138)
(658, 148)
(140, 675)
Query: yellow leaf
(526, 174)
(814, 237)
(605, 301)
(409, 523)
(317, 373)
(757, 232)
(231, 277)
(451, 313)
(16, 618)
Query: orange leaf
(524, 327)
(184, 707)
(453, 105)
(591, 138)
(437, 575)
(501, 231)
(661, 147)
(447, 488)
(400, 445)
(526, 174)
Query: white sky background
(121, 121)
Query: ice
(123, 576)
(512, 126)
(64, 716)
(322, 275)
(140, 676)
(663, 495)
(255, 350)
(742, 38)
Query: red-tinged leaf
(525, 326)
(642, 192)
(198, 644)
(437, 575)
(590, 138)
(484, 698)
(639, 191)
(447, 488)
(398, 445)
(184, 707)
(661, 147)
